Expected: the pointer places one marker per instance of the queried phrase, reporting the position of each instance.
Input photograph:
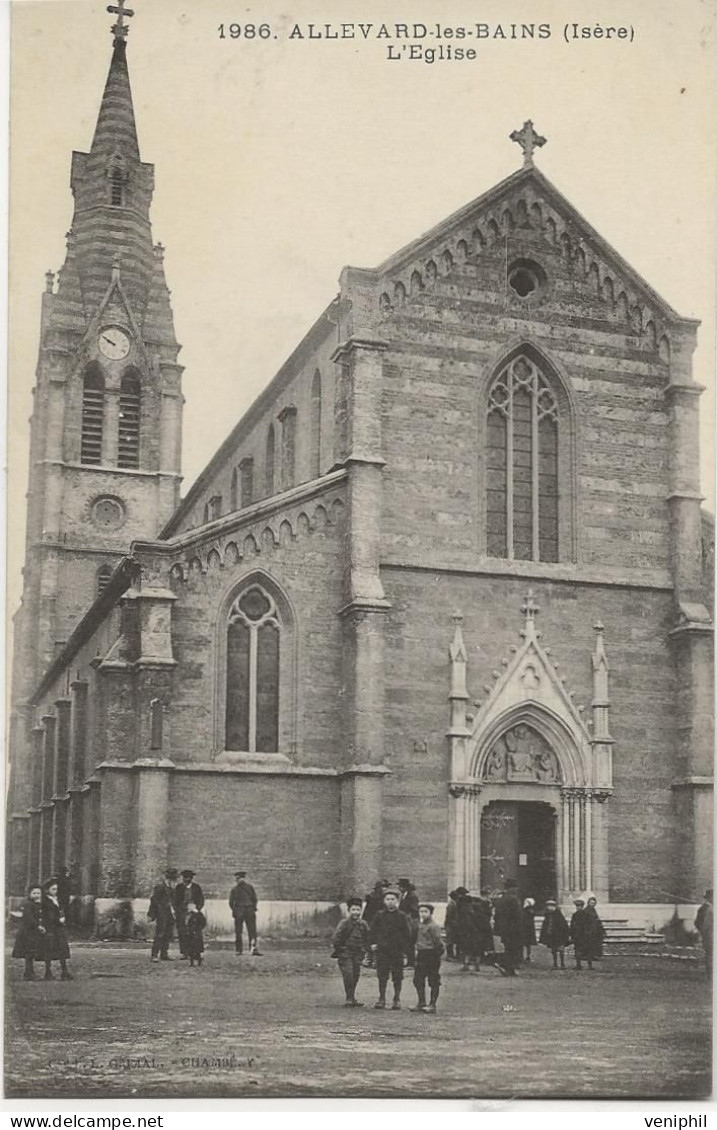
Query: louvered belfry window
(129, 421)
(522, 465)
(252, 700)
(93, 407)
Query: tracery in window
(252, 686)
(522, 465)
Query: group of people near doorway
(390, 928)
(473, 920)
(394, 930)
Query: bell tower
(107, 403)
(105, 439)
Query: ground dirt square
(276, 1026)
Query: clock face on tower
(113, 343)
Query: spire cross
(120, 30)
(528, 139)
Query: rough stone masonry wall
(302, 552)
(642, 834)
(443, 345)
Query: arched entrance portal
(519, 840)
(528, 778)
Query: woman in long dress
(30, 940)
(57, 947)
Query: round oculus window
(525, 277)
(107, 513)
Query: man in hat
(509, 928)
(185, 892)
(243, 903)
(161, 912)
(390, 938)
(350, 942)
(704, 924)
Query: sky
(279, 160)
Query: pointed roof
(535, 185)
(116, 131)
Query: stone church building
(437, 607)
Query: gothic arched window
(287, 418)
(522, 464)
(234, 493)
(129, 420)
(93, 408)
(315, 438)
(269, 462)
(253, 665)
(246, 481)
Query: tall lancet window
(93, 409)
(522, 465)
(117, 187)
(252, 698)
(129, 420)
(269, 462)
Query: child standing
(555, 932)
(194, 924)
(429, 947)
(350, 942)
(391, 939)
(30, 940)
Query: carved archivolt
(257, 539)
(521, 211)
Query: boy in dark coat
(350, 943)
(429, 947)
(391, 938)
(194, 924)
(30, 940)
(555, 933)
(509, 928)
(374, 903)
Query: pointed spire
(116, 131)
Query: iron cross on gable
(120, 29)
(528, 139)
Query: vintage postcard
(361, 549)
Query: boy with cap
(391, 938)
(555, 932)
(429, 947)
(350, 942)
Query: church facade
(438, 606)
